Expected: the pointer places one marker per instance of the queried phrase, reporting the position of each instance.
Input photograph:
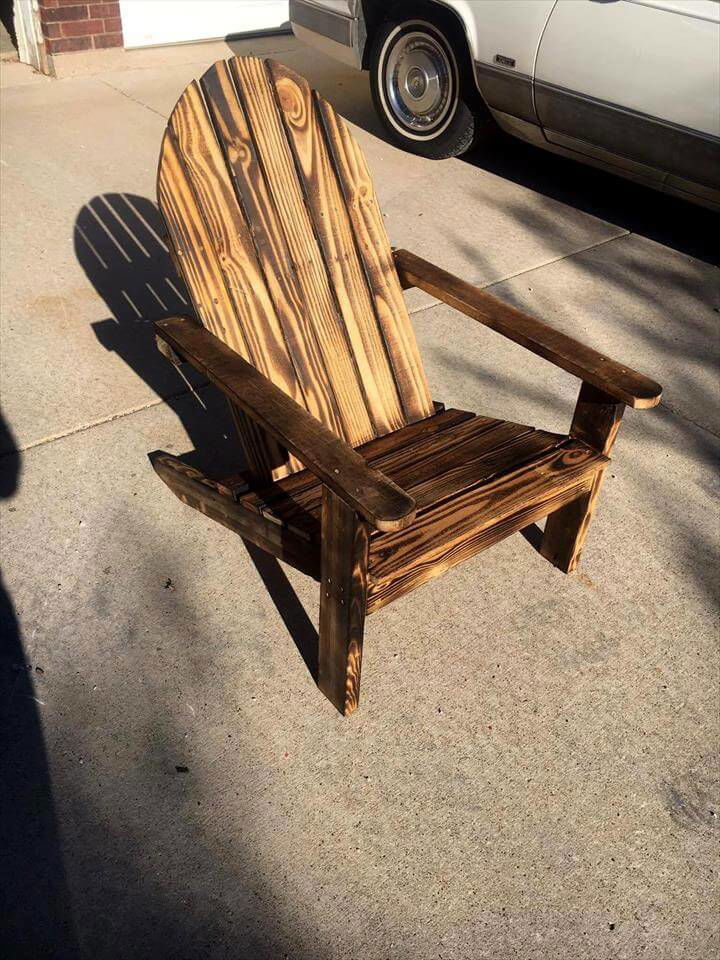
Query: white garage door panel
(149, 22)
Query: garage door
(149, 22)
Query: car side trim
(666, 146)
(327, 23)
(506, 90)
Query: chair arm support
(376, 498)
(619, 381)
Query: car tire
(425, 99)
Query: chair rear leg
(596, 422)
(343, 600)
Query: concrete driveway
(533, 770)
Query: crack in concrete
(83, 427)
(537, 266)
(673, 411)
(131, 98)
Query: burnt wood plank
(258, 203)
(340, 467)
(343, 590)
(596, 422)
(232, 240)
(455, 551)
(634, 389)
(197, 491)
(245, 283)
(509, 450)
(376, 253)
(305, 258)
(429, 543)
(199, 265)
(426, 458)
(334, 233)
(196, 254)
(300, 483)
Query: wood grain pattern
(333, 461)
(197, 491)
(463, 548)
(451, 530)
(632, 388)
(411, 464)
(406, 438)
(280, 500)
(338, 367)
(332, 227)
(255, 315)
(343, 589)
(273, 253)
(596, 422)
(199, 265)
(376, 253)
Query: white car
(632, 86)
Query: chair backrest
(277, 231)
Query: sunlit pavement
(531, 773)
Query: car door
(635, 83)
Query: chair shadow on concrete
(37, 908)
(119, 243)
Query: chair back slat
(274, 221)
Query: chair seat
(475, 480)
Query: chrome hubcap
(419, 81)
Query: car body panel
(583, 78)
(623, 53)
(333, 26)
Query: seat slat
(296, 500)
(374, 247)
(338, 366)
(465, 467)
(452, 530)
(332, 226)
(423, 460)
(299, 483)
(431, 468)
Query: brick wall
(68, 25)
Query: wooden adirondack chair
(353, 474)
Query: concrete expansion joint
(129, 97)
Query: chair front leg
(596, 422)
(343, 600)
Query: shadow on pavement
(674, 223)
(119, 243)
(37, 920)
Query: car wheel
(419, 91)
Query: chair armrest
(340, 467)
(619, 381)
